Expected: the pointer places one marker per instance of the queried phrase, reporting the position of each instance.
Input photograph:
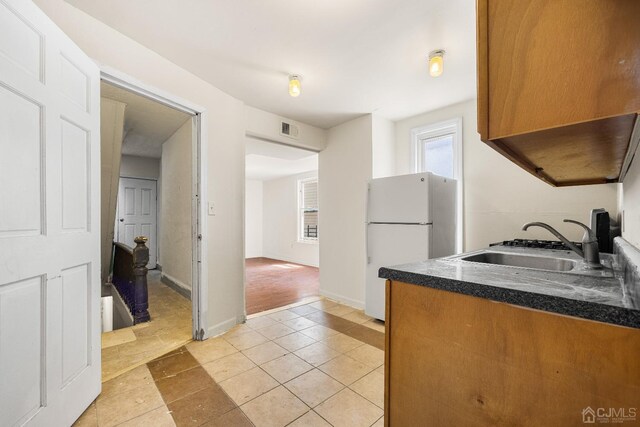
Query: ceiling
(355, 56)
(266, 161)
(147, 124)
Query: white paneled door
(49, 221)
(137, 214)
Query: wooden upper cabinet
(559, 85)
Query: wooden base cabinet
(456, 360)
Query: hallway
(272, 283)
(169, 328)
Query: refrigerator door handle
(366, 230)
(366, 243)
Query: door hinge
(199, 236)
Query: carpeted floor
(272, 283)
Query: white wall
(280, 222)
(253, 202)
(223, 136)
(140, 167)
(345, 166)
(265, 125)
(631, 203)
(499, 197)
(383, 146)
(175, 210)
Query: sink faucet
(589, 252)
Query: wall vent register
(288, 129)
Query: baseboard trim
(342, 299)
(176, 285)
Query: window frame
(300, 214)
(446, 127)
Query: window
(308, 209)
(437, 148)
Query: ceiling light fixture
(294, 85)
(436, 62)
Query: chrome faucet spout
(589, 252)
(555, 233)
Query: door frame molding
(199, 267)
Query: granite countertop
(603, 297)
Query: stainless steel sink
(526, 261)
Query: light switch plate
(212, 209)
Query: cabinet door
(551, 63)
(559, 85)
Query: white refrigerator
(410, 218)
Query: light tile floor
(317, 364)
(169, 328)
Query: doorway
(282, 234)
(148, 190)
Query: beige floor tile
(314, 387)
(299, 323)
(318, 332)
(310, 419)
(169, 328)
(283, 315)
(303, 310)
(117, 337)
(265, 352)
(357, 316)
(286, 367)
(89, 417)
(276, 408)
(295, 341)
(245, 341)
(371, 387)
(339, 310)
(375, 324)
(248, 385)
(348, 409)
(125, 383)
(316, 354)
(345, 369)
(160, 417)
(125, 406)
(380, 370)
(323, 304)
(243, 328)
(368, 355)
(379, 423)
(211, 349)
(342, 343)
(260, 322)
(228, 366)
(276, 331)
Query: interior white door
(137, 214)
(389, 245)
(49, 221)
